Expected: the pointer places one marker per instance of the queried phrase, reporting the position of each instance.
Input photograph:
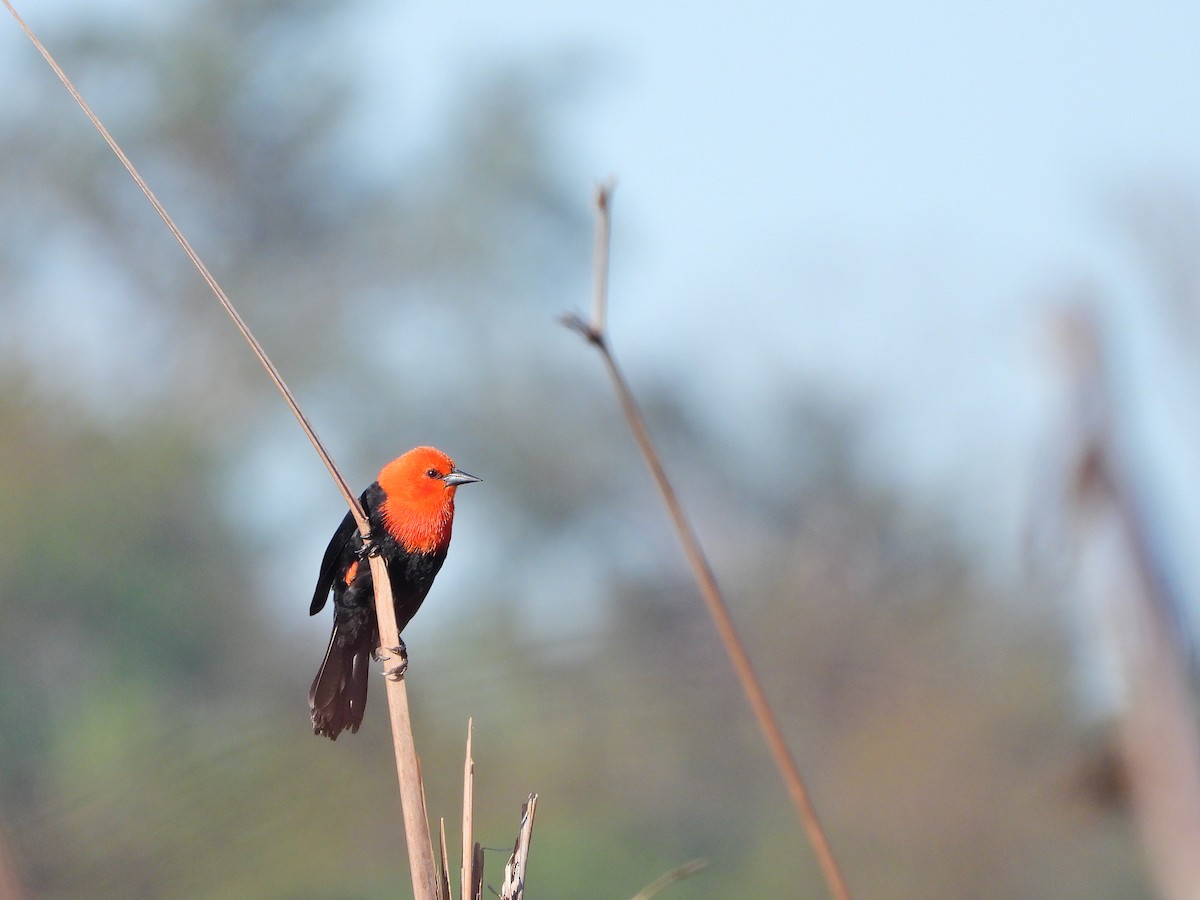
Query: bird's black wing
(332, 564)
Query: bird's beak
(457, 477)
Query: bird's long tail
(338, 694)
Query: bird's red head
(419, 509)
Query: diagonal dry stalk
(595, 333)
(416, 824)
(669, 878)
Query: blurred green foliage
(153, 739)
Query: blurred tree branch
(1156, 726)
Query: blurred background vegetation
(163, 519)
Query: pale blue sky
(877, 198)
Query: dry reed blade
(467, 871)
(513, 887)
(477, 868)
(444, 873)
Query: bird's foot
(368, 548)
(399, 652)
(396, 673)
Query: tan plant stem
(595, 334)
(416, 830)
(468, 874)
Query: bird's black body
(338, 694)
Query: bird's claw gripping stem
(368, 548)
(398, 652)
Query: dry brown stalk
(468, 873)
(477, 869)
(513, 887)
(595, 334)
(444, 871)
(416, 823)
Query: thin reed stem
(595, 333)
(416, 824)
(669, 878)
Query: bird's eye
(434, 473)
